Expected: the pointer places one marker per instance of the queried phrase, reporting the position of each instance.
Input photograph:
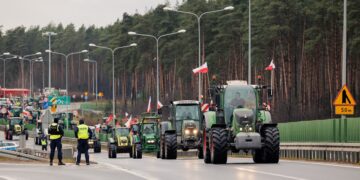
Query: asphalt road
(183, 168)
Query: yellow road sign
(344, 110)
(344, 97)
(53, 108)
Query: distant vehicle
(9, 146)
(15, 127)
(119, 142)
(94, 141)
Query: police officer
(56, 133)
(44, 143)
(82, 133)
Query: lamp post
(113, 69)
(96, 77)
(26, 57)
(66, 63)
(157, 54)
(49, 34)
(198, 17)
(37, 60)
(4, 65)
(30, 70)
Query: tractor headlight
(241, 129)
(195, 131)
(151, 141)
(250, 129)
(187, 131)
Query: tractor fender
(209, 119)
(170, 131)
(165, 126)
(265, 117)
(111, 140)
(218, 126)
(265, 125)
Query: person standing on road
(56, 133)
(82, 133)
(44, 143)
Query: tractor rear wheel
(162, 149)
(170, 146)
(270, 152)
(10, 134)
(26, 134)
(218, 146)
(200, 153)
(206, 149)
(6, 135)
(97, 147)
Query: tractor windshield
(148, 128)
(16, 121)
(122, 131)
(187, 112)
(238, 97)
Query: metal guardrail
(333, 152)
(21, 155)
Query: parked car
(9, 146)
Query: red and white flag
(159, 105)
(271, 66)
(202, 69)
(205, 107)
(109, 119)
(149, 105)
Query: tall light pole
(49, 34)
(96, 77)
(26, 57)
(249, 60)
(66, 63)
(157, 54)
(4, 65)
(343, 68)
(198, 17)
(113, 69)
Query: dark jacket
(60, 132)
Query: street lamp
(113, 69)
(198, 17)
(96, 77)
(49, 34)
(157, 54)
(4, 66)
(22, 72)
(66, 63)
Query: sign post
(344, 105)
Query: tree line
(304, 38)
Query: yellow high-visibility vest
(83, 131)
(43, 142)
(54, 133)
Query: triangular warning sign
(344, 97)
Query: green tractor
(94, 141)
(119, 142)
(180, 128)
(15, 127)
(16, 111)
(149, 132)
(239, 122)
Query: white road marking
(269, 173)
(7, 178)
(323, 164)
(129, 171)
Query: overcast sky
(15, 13)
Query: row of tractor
(238, 119)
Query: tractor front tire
(270, 152)
(6, 135)
(218, 146)
(10, 134)
(170, 146)
(26, 135)
(97, 147)
(206, 149)
(112, 151)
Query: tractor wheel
(97, 147)
(271, 145)
(6, 135)
(112, 151)
(36, 140)
(170, 146)
(26, 135)
(206, 150)
(200, 153)
(131, 154)
(10, 134)
(218, 146)
(162, 149)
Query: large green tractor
(149, 132)
(239, 122)
(119, 142)
(180, 128)
(15, 127)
